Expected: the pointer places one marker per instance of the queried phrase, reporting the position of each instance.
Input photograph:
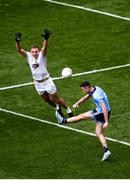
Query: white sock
(57, 107)
(68, 110)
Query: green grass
(83, 41)
(121, 7)
(36, 150)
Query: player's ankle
(105, 149)
(64, 121)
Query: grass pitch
(83, 41)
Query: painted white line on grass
(74, 75)
(88, 9)
(61, 126)
(16, 86)
(102, 70)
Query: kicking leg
(83, 116)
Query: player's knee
(98, 132)
(80, 116)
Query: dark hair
(84, 84)
(35, 46)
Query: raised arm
(18, 45)
(81, 101)
(45, 35)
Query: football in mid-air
(66, 72)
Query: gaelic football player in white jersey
(100, 114)
(43, 82)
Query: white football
(66, 72)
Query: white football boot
(106, 155)
(59, 117)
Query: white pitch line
(74, 75)
(61, 126)
(16, 86)
(88, 9)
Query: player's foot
(71, 114)
(58, 108)
(106, 155)
(60, 119)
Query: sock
(105, 148)
(57, 107)
(64, 120)
(68, 110)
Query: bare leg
(46, 97)
(102, 139)
(100, 135)
(56, 100)
(83, 116)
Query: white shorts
(47, 86)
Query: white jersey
(38, 66)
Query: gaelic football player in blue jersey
(100, 114)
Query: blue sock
(64, 120)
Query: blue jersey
(100, 96)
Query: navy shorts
(99, 117)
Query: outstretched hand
(46, 34)
(18, 36)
